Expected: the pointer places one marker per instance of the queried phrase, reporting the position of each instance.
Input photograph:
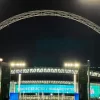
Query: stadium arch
(57, 13)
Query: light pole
(62, 96)
(51, 96)
(18, 65)
(42, 96)
(88, 64)
(1, 60)
(0, 78)
(38, 95)
(73, 66)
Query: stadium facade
(62, 84)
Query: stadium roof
(50, 70)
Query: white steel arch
(57, 13)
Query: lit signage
(95, 91)
(45, 88)
(55, 88)
(14, 96)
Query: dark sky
(49, 41)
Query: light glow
(18, 64)
(12, 64)
(23, 64)
(1, 59)
(65, 64)
(73, 65)
(77, 65)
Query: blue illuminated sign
(76, 97)
(45, 88)
(14, 96)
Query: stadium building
(50, 83)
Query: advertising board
(56, 88)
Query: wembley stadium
(50, 83)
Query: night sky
(49, 41)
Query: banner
(56, 88)
(45, 88)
